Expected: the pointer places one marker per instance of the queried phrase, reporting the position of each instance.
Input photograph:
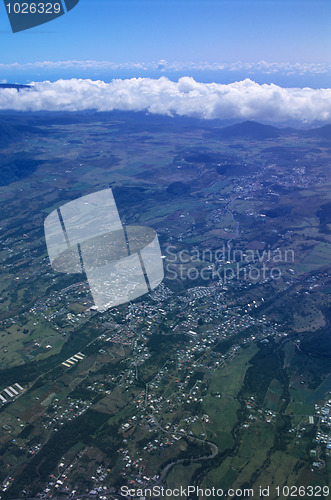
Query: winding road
(166, 469)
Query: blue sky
(184, 31)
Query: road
(166, 469)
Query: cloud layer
(174, 66)
(245, 100)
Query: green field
(226, 382)
(235, 471)
(319, 257)
(28, 341)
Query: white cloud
(245, 100)
(284, 68)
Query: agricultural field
(213, 377)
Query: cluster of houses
(324, 433)
(68, 410)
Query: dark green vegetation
(213, 376)
(16, 169)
